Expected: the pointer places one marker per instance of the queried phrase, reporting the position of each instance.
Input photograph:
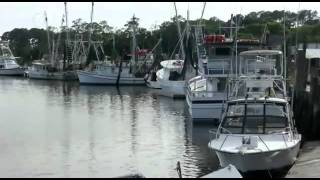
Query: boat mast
(133, 24)
(179, 31)
(284, 47)
(67, 27)
(91, 26)
(48, 36)
(236, 44)
(58, 42)
(67, 34)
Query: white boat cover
(312, 53)
(228, 172)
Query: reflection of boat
(8, 64)
(257, 131)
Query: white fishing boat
(257, 131)
(44, 70)
(176, 72)
(119, 73)
(207, 92)
(54, 65)
(8, 64)
(169, 78)
(108, 74)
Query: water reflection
(67, 130)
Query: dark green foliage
(33, 44)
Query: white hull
(204, 110)
(12, 72)
(70, 75)
(93, 78)
(172, 88)
(260, 161)
(153, 84)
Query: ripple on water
(68, 130)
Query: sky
(31, 14)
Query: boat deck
(308, 162)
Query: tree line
(32, 44)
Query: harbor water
(63, 129)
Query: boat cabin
(255, 116)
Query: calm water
(62, 129)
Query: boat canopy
(250, 117)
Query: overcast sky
(31, 14)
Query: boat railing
(215, 134)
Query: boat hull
(69, 75)
(153, 84)
(174, 89)
(12, 72)
(205, 109)
(260, 161)
(93, 78)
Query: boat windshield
(255, 118)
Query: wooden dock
(308, 162)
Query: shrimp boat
(168, 78)
(58, 66)
(176, 72)
(8, 64)
(207, 92)
(131, 72)
(257, 131)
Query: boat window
(233, 125)
(223, 51)
(275, 110)
(255, 118)
(253, 125)
(255, 109)
(236, 110)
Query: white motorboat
(257, 134)
(8, 64)
(257, 131)
(169, 78)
